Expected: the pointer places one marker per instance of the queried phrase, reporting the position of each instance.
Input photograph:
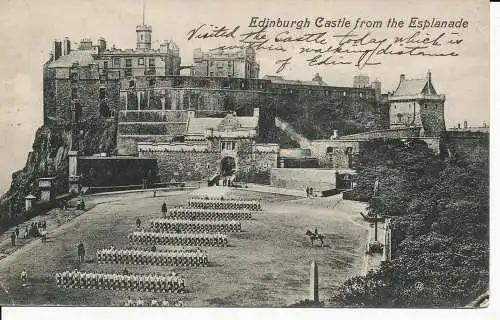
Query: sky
(28, 29)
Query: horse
(315, 236)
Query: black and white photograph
(245, 154)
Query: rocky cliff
(49, 157)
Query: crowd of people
(33, 230)
(162, 225)
(131, 282)
(192, 258)
(182, 239)
(209, 203)
(209, 214)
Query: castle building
(225, 63)
(209, 146)
(86, 82)
(361, 81)
(415, 103)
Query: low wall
(300, 178)
(394, 133)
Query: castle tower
(416, 103)
(143, 32)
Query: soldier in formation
(191, 258)
(134, 282)
(253, 205)
(187, 239)
(210, 214)
(162, 225)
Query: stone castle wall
(299, 178)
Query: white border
(77, 313)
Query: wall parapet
(170, 147)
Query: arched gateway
(227, 166)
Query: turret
(144, 36)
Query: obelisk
(313, 282)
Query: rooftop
(83, 57)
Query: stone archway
(227, 166)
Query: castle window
(131, 84)
(211, 74)
(329, 150)
(128, 63)
(116, 62)
(151, 62)
(74, 93)
(74, 77)
(140, 61)
(152, 82)
(105, 65)
(409, 106)
(344, 93)
(128, 72)
(142, 37)
(211, 63)
(229, 64)
(102, 93)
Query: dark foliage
(440, 232)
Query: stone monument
(313, 283)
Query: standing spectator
(307, 191)
(138, 223)
(17, 232)
(43, 233)
(311, 191)
(81, 252)
(24, 277)
(44, 224)
(154, 193)
(13, 239)
(26, 232)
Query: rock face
(49, 157)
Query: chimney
(459, 126)
(465, 124)
(102, 44)
(401, 77)
(484, 124)
(58, 50)
(428, 75)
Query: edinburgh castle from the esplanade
(118, 117)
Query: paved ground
(266, 265)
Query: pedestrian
(13, 238)
(17, 232)
(307, 191)
(154, 193)
(43, 233)
(311, 191)
(26, 232)
(81, 252)
(24, 277)
(138, 223)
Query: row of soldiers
(153, 303)
(161, 225)
(164, 258)
(135, 282)
(209, 214)
(182, 239)
(214, 198)
(253, 205)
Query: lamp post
(375, 189)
